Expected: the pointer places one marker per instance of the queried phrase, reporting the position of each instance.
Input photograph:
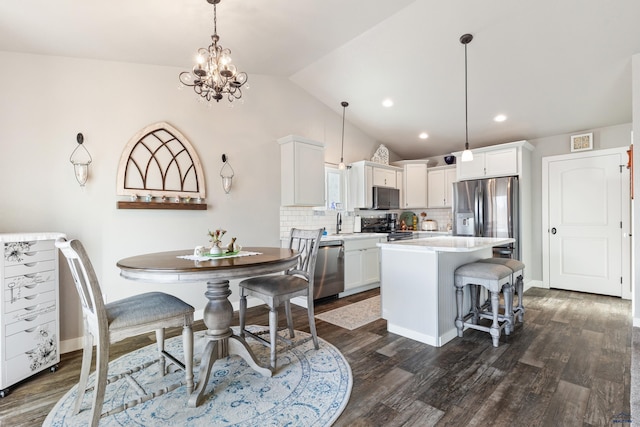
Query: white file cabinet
(29, 306)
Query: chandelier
(214, 76)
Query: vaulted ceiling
(550, 66)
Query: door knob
(553, 230)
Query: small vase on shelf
(215, 249)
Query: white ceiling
(551, 66)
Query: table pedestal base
(218, 314)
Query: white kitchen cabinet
(363, 176)
(29, 306)
(383, 177)
(493, 161)
(414, 185)
(302, 171)
(440, 187)
(361, 263)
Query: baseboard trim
(358, 289)
(534, 284)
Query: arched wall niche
(160, 169)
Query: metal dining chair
(275, 290)
(112, 322)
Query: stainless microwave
(386, 198)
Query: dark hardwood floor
(568, 365)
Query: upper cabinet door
(441, 187)
(473, 169)
(302, 172)
(501, 162)
(415, 185)
(383, 177)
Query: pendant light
(467, 155)
(341, 165)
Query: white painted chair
(112, 322)
(275, 290)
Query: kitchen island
(416, 283)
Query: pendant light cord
(466, 106)
(466, 39)
(344, 108)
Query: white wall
(46, 101)
(603, 138)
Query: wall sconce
(226, 175)
(80, 158)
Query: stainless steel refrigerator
(488, 208)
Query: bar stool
(517, 282)
(493, 277)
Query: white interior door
(585, 224)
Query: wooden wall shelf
(162, 205)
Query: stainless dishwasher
(328, 278)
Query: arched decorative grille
(160, 162)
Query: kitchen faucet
(338, 223)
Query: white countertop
(352, 236)
(447, 244)
(29, 236)
(357, 236)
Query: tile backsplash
(307, 217)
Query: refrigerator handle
(478, 212)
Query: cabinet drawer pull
(30, 330)
(30, 319)
(32, 297)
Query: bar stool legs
(517, 282)
(493, 277)
(507, 291)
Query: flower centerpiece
(215, 237)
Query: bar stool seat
(517, 282)
(495, 278)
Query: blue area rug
(310, 388)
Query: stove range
(399, 235)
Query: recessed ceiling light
(424, 135)
(387, 103)
(500, 118)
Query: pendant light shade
(467, 155)
(341, 165)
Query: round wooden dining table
(167, 267)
